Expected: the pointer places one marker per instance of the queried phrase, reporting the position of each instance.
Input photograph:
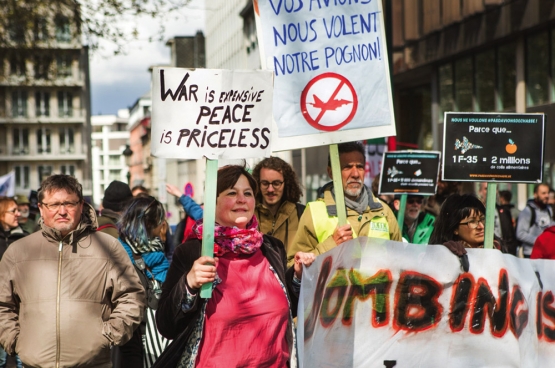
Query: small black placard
(409, 172)
(493, 147)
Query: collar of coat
(373, 202)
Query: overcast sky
(118, 81)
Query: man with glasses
(318, 230)
(67, 292)
(277, 207)
(418, 225)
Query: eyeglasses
(473, 224)
(415, 200)
(276, 184)
(56, 206)
(13, 212)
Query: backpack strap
(532, 215)
(106, 226)
(300, 209)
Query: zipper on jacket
(58, 304)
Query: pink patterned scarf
(233, 239)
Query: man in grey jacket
(534, 219)
(67, 292)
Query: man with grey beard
(318, 229)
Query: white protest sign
(331, 71)
(211, 113)
(377, 303)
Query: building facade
(108, 140)
(45, 102)
(472, 55)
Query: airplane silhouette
(330, 105)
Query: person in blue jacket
(193, 213)
(141, 228)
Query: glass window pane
(485, 81)
(445, 89)
(44, 172)
(26, 174)
(463, 84)
(537, 69)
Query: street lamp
(127, 152)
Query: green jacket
(424, 229)
(306, 239)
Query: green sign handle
(209, 218)
(490, 215)
(401, 213)
(338, 185)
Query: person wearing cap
(418, 225)
(24, 221)
(116, 196)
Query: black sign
(493, 147)
(409, 172)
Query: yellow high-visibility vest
(325, 225)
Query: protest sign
(7, 184)
(331, 71)
(409, 172)
(211, 113)
(493, 147)
(378, 303)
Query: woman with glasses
(142, 228)
(10, 232)
(248, 321)
(461, 224)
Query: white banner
(331, 71)
(376, 303)
(7, 184)
(211, 113)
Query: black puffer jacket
(8, 237)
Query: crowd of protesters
(135, 285)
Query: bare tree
(25, 21)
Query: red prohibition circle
(315, 122)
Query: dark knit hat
(116, 196)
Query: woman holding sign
(461, 224)
(248, 319)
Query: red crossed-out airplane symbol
(341, 89)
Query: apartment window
(446, 101)
(63, 33)
(67, 169)
(17, 65)
(42, 103)
(537, 67)
(44, 140)
(485, 81)
(16, 31)
(506, 77)
(114, 175)
(114, 160)
(64, 65)
(19, 104)
(22, 177)
(65, 104)
(67, 142)
(42, 66)
(44, 172)
(40, 30)
(20, 141)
